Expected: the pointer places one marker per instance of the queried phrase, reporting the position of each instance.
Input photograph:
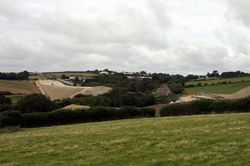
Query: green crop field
(189, 140)
(210, 82)
(219, 88)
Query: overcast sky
(172, 36)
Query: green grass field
(15, 84)
(210, 82)
(189, 140)
(219, 89)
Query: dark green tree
(35, 103)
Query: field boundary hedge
(62, 117)
(207, 107)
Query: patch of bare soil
(157, 108)
(57, 90)
(76, 107)
(239, 95)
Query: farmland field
(219, 89)
(188, 140)
(210, 82)
(80, 74)
(19, 87)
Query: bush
(5, 103)
(10, 118)
(189, 86)
(199, 84)
(61, 117)
(4, 107)
(3, 93)
(5, 100)
(207, 107)
(35, 103)
(176, 87)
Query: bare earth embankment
(239, 95)
(57, 90)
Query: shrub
(35, 103)
(10, 118)
(5, 103)
(5, 100)
(199, 84)
(189, 86)
(176, 87)
(4, 107)
(3, 93)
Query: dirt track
(57, 90)
(239, 95)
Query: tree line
(15, 76)
(37, 110)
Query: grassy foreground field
(219, 89)
(193, 140)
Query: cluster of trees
(15, 76)
(5, 103)
(146, 85)
(234, 74)
(216, 74)
(118, 97)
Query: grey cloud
(240, 9)
(116, 34)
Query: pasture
(188, 140)
(18, 87)
(219, 88)
(79, 74)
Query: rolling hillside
(192, 140)
(218, 86)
